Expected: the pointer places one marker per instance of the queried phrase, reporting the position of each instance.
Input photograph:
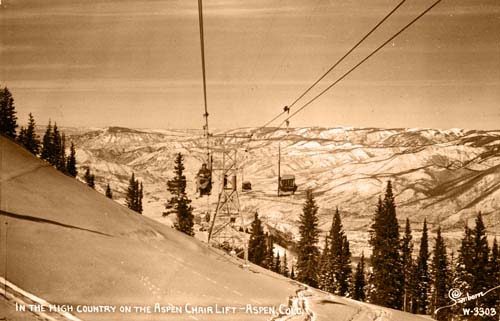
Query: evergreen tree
(89, 178)
(440, 278)
(463, 273)
(61, 155)
(277, 264)
(480, 261)
(480, 257)
(31, 141)
(55, 158)
(407, 261)
(422, 275)
(47, 144)
(326, 276)
(285, 271)
(109, 193)
(292, 273)
(345, 271)
(140, 195)
(133, 199)
(388, 277)
(493, 299)
(269, 259)
(21, 137)
(8, 118)
(308, 253)
(359, 281)
(179, 203)
(71, 162)
(257, 247)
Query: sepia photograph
(270, 160)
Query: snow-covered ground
(446, 176)
(67, 245)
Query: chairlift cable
(361, 62)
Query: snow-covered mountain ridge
(446, 176)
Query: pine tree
(140, 195)
(422, 274)
(8, 118)
(494, 276)
(277, 264)
(61, 155)
(388, 277)
(47, 144)
(55, 158)
(326, 276)
(269, 259)
(308, 253)
(407, 261)
(89, 178)
(179, 203)
(440, 278)
(345, 272)
(257, 247)
(31, 141)
(359, 281)
(133, 199)
(71, 162)
(292, 273)
(480, 257)
(21, 137)
(480, 261)
(109, 193)
(285, 271)
(463, 272)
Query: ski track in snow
(20, 296)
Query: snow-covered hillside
(446, 176)
(64, 244)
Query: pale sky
(137, 63)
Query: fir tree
(388, 277)
(31, 141)
(345, 271)
(269, 259)
(493, 299)
(463, 273)
(285, 271)
(109, 193)
(257, 248)
(55, 158)
(440, 278)
(21, 137)
(61, 155)
(407, 261)
(8, 118)
(292, 273)
(71, 162)
(422, 275)
(133, 199)
(47, 144)
(326, 276)
(308, 253)
(89, 178)
(480, 261)
(277, 264)
(179, 203)
(359, 281)
(480, 257)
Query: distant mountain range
(446, 176)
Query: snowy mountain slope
(68, 245)
(446, 176)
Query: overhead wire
(372, 30)
(361, 62)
